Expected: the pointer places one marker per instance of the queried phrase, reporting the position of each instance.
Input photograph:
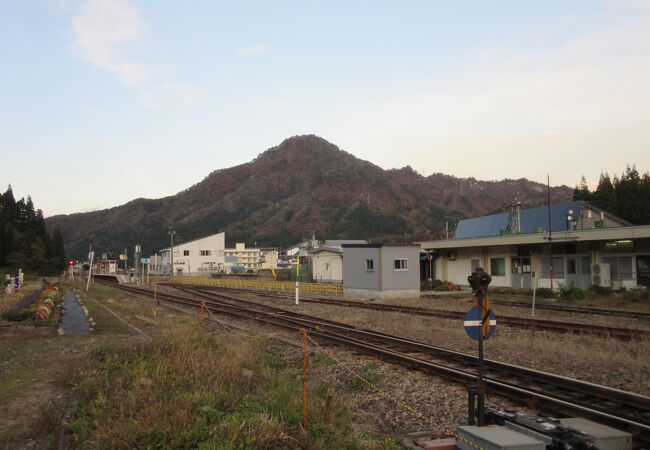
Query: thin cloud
(104, 29)
(106, 32)
(256, 50)
(494, 115)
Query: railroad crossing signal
(476, 321)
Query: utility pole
(550, 230)
(455, 219)
(136, 263)
(171, 234)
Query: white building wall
(198, 257)
(269, 258)
(327, 267)
(458, 270)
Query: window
(558, 267)
(571, 268)
(370, 265)
(620, 267)
(206, 252)
(186, 253)
(622, 246)
(498, 267)
(401, 264)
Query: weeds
(368, 373)
(189, 390)
(574, 293)
(637, 296)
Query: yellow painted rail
(262, 285)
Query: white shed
(327, 264)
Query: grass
(194, 390)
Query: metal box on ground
(604, 437)
(495, 437)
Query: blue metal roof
(530, 220)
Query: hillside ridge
(303, 185)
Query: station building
(583, 246)
(197, 257)
(381, 271)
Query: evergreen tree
(604, 196)
(628, 196)
(58, 258)
(581, 192)
(24, 240)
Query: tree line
(24, 240)
(627, 196)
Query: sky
(105, 101)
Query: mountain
(304, 185)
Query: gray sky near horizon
(104, 101)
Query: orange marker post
(155, 300)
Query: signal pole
(171, 234)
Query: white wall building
(248, 258)
(269, 258)
(198, 257)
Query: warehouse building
(197, 257)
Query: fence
(262, 285)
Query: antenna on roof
(514, 216)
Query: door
(572, 273)
(643, 271)
(521, 273)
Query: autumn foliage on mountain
(305, 185)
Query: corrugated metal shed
(531, 219)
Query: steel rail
(576, 385)
(624, 334)
(505, 388)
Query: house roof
(531, 220)
(193, 240)
(594, 234)
(327, 249)
(339, 242)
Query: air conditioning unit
(601, 275)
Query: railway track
(564, 308)
(576, 309)
(560, 395)
(624, 334)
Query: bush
(571, 292)
(546, 293)
(599, 291)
